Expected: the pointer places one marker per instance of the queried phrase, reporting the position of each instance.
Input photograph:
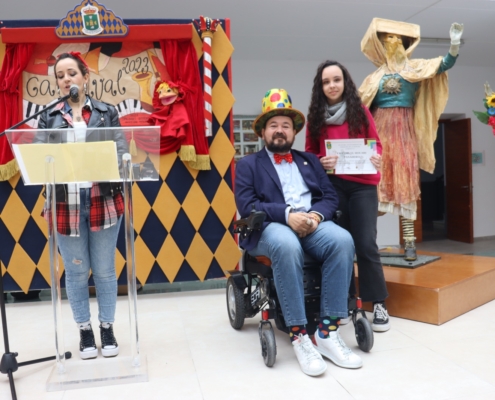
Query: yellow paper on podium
(74, 162)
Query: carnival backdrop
(183, 222)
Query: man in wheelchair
(294, 192)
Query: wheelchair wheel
(364, 334)
(268, 346)
(235, 305)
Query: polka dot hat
(277, 102)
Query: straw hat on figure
(406, 97)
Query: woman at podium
(88, 214)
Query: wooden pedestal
(442, 290)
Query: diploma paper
(354, 156)
(74, 162)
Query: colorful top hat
(277, 102)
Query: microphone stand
(9, 364)
(60, 100)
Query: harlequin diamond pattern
(71, 26)
(221, 152)
(167, 214)
(199, 256)
(140, 213)
(222, 100)
(170, 258)
(22, 271)
(228, 253)
(182, 223)
(195, 205)
(15, 216)
(221, 49)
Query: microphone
(74, 93)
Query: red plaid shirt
(103, 212)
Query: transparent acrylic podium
(123, 154)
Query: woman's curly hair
(356, 116)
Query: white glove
(456, 33)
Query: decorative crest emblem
(91, 20)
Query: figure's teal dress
(393, 111)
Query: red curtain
(15, 61)
(182, 65)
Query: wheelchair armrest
(336, 216)
(252, 223)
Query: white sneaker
(310, 360)
(336, 350)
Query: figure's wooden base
(442, 290)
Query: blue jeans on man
(331, 245)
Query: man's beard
(279, 148)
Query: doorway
(447, 194)
(433, 215)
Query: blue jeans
(359, 206)
(93, 251)
(329, 244)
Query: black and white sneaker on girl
(87, 345)
(109, 345)
(381, 321)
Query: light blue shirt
(296, 193)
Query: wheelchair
(251, 289)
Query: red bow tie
(278, 158)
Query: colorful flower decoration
(488, 117)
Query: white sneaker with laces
(310, 360)
(336, 350)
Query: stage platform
(442, 290)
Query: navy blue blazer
(257, 183)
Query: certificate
(354, 156)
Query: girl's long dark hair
(356, 116)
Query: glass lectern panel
(68, 156)
(87, 155)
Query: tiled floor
(193, 353)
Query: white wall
(252, 78)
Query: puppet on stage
(171, 115)
(406, 98)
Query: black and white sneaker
(109, 345)
(87, 345)
(381, 322)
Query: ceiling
(309, 29)
(318, 29)
(312, 29)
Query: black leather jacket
(102, 115)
